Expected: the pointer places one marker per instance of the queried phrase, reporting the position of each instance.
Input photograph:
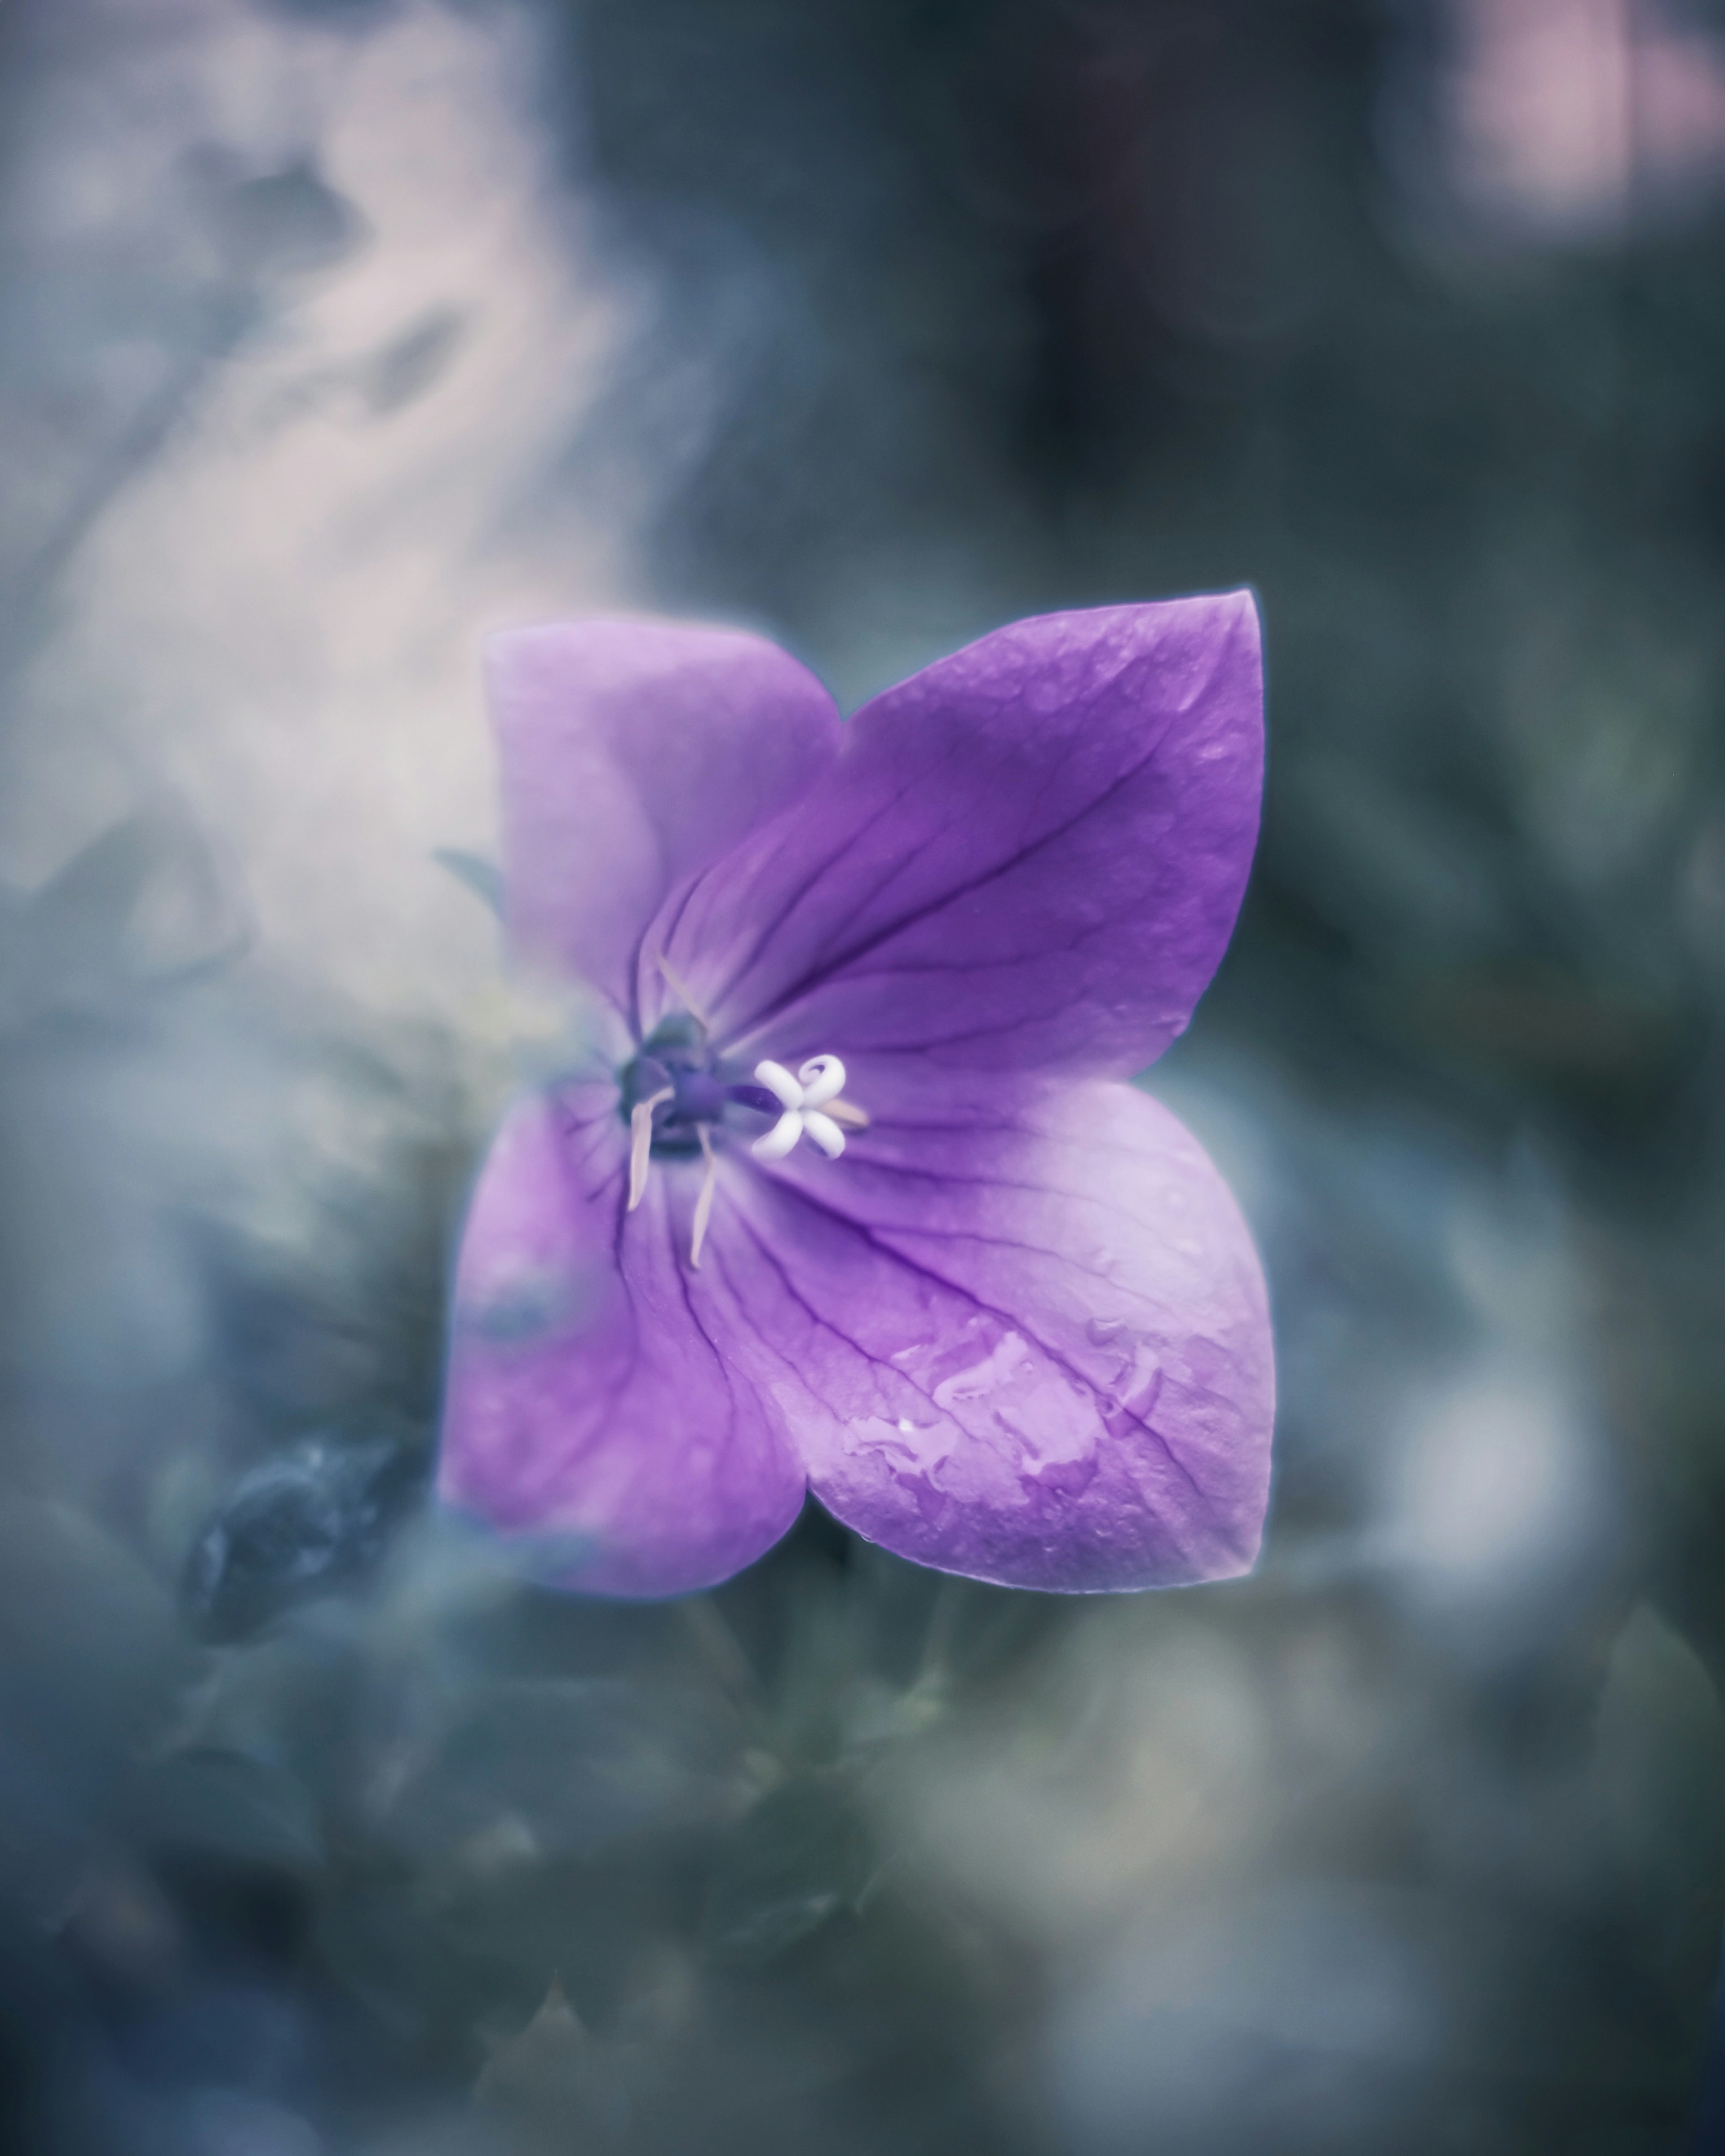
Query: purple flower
(854, 1198)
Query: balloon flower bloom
(852, 1195)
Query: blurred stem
(942, 1623)
(721, 1649)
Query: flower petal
(633, 753)
(1030, 854)
(589, 1407)
(1024, 1337)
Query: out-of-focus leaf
(561, 1766)
(282, 224)
(407, 368)
(554, 2082)
(483, 878)
(800, 1858)
(143, 908)
(1540, 1025)
(225, 1808)
(316, 1519)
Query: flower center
(677, 1100)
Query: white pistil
(640, 1142)
(811, 1108)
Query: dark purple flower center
(676, 1096)
(689, 1088)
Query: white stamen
(704, 1202)
(640, 1143)
(816, 1087)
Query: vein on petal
(839, 962)
(980, 1302)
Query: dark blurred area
(331, 335)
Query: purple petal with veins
(633, 753)
(1029, 855)
(590, 1408)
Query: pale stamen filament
(640, 1142)
(676, 981)
(704, 1202)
